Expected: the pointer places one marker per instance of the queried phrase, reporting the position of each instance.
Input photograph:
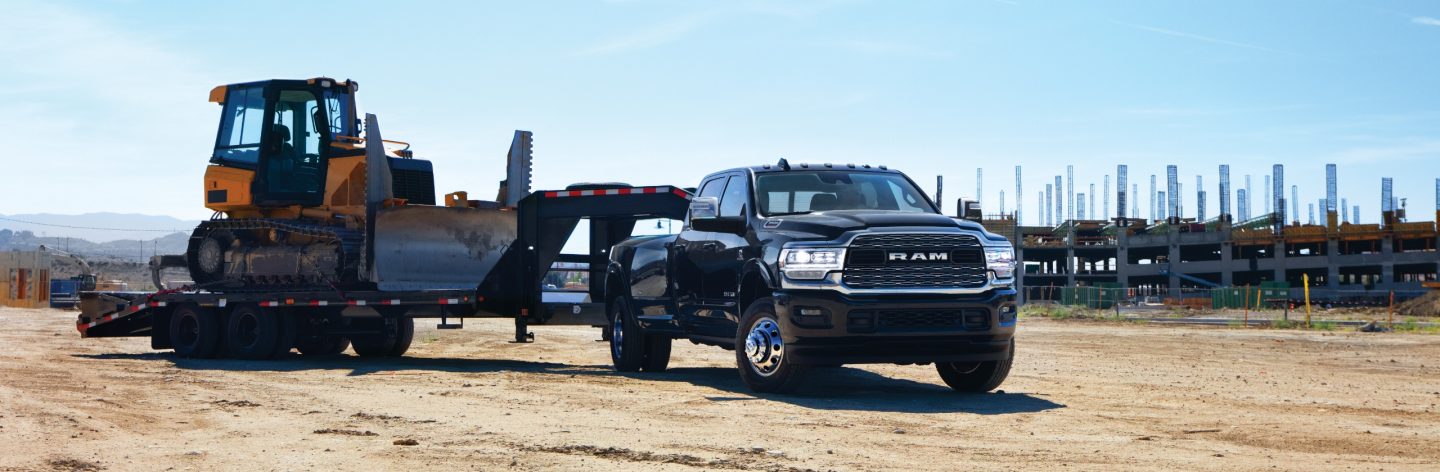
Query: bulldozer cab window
(292, 163)
(340, 118)
(241, 128)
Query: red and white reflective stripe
(355, 302)
(157, 304)
(390, 302)
(612, 191)
(319, 303)
(449, 301)
(271, 303)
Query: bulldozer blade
(439, 248)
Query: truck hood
(833, 224)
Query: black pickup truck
(817, 265)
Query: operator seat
(280, 169)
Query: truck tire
(322, 345)
(627, 342)
(252, 334)
(657, 353)
(976, 377)
(195, 332)
(760, 351)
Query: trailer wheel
(391, 339)
(251, 333)
(289, 329)
(976, 377)
(627, 342)
(195, 332)
(322, 345)
(760, 354)
(404, 335)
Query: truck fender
(754, 269)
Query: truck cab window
(736, 198)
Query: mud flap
(432, 248)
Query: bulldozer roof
(217, 94)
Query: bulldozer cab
(282, 131)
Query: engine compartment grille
(891, 261)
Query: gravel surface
(1083, 396)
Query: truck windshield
(797, 192)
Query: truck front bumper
(829, 328)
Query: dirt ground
(1083, 395)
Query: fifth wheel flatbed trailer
(260, 324)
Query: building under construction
(1171, 255)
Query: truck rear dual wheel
(976, 377)
(631, 349)
(760, 353)
(391, 339)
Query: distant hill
(120, 250)
(97, 227)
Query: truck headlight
(1000, 260)
(810, 263)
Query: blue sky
(103, 104)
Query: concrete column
(1227, 259)
(1279, 271)
(1174, 261)
(1332, 270)
(1121, 256)
(1387, 268)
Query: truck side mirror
(973, 211)
(704, 208)
(705, 216)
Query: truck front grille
(944, 261)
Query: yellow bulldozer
(304, 199)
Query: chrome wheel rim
(617, 337)
(764, 347)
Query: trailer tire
(404, 335)
(322, 345)
(976, 377)
(390, 339)
(252, 333)
(627, 342)
(289, 329)
(760, 353)
(195, 332)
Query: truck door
(715, 258)
(722, 279)
(686, 257)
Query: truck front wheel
(976, 377)
(760, 352)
